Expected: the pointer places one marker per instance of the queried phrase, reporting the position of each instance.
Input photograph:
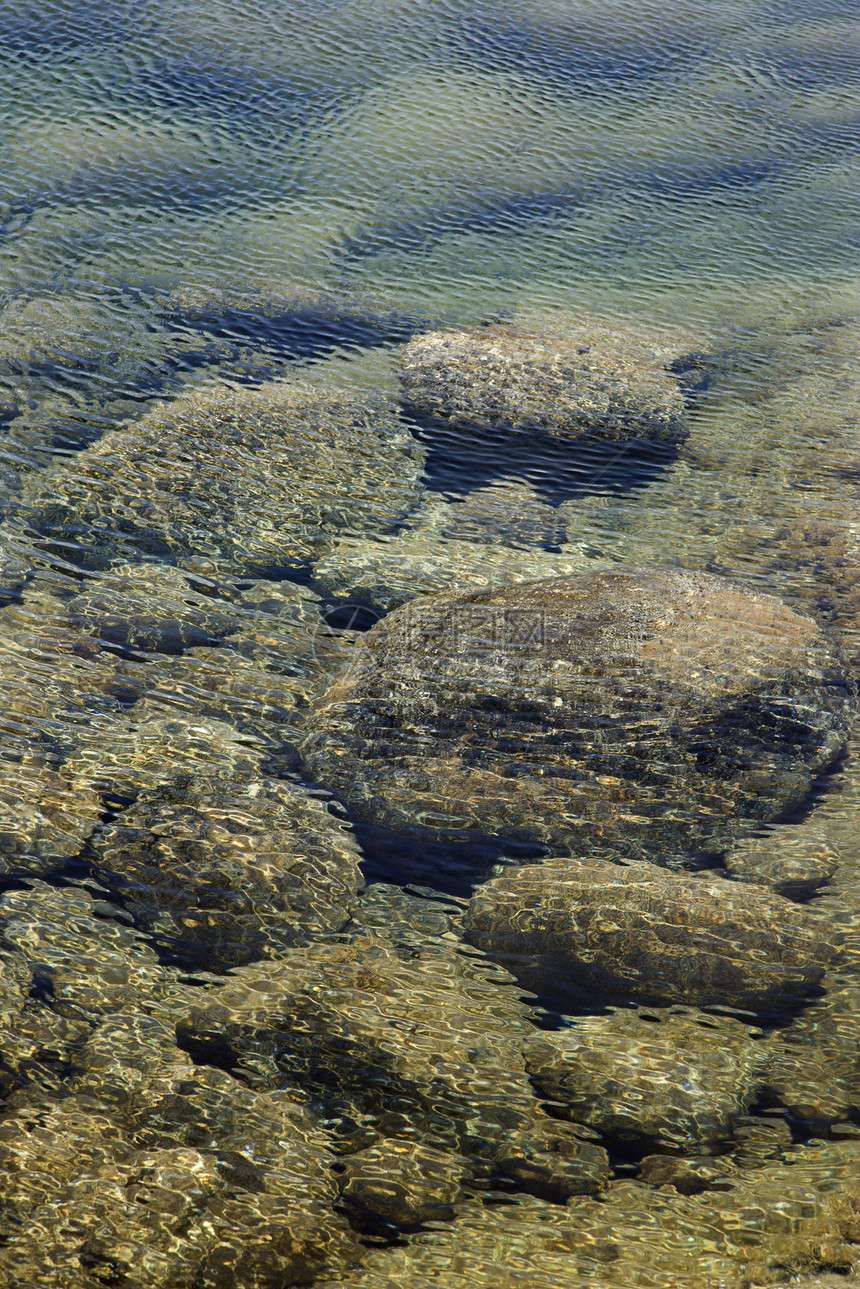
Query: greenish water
(205, 193)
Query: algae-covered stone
(566, 926)
(231, 869)
(573, 378)
(677, 1078)
(226, 478)
(649, 712)
(421, 1046)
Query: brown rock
(420, 1046)
(640, 711)
(223, 480)
(403, 1183)
(232, 869)
(571, 378)
(637, 932)
(199, 1182)
(677, 1078)
(814, 1068)
(793, 860)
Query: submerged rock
(14, 567)
(574, 378)
(793, 860)
(566, 926)
(286, 316)
(281, 655)
(44, 816)
(150, 748)
(642, 712)
(531, 1244)
(814, 1064)
(119, 1157)
(191, 1180)
(385, 574)
(506, 513)
(402, 1183)
(67, 962)
(678, 1078)
(154, 608)
(755, 1228)
(233, 479)
(87, 961)
(394, 1042)
(231, 870)
(490, 537)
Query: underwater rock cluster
(229, 1058)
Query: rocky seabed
(512, 941)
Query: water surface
(205, 194)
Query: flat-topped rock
(645, 712)
(572, 378)
(567, 926)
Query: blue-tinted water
(209, 195)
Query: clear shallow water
(205, 192)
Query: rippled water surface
(250, 1033)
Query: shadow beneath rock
(451, 870)
(305, 329)
(559, 470)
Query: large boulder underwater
(641, 713)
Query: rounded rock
(638, 932)
(644, 712)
